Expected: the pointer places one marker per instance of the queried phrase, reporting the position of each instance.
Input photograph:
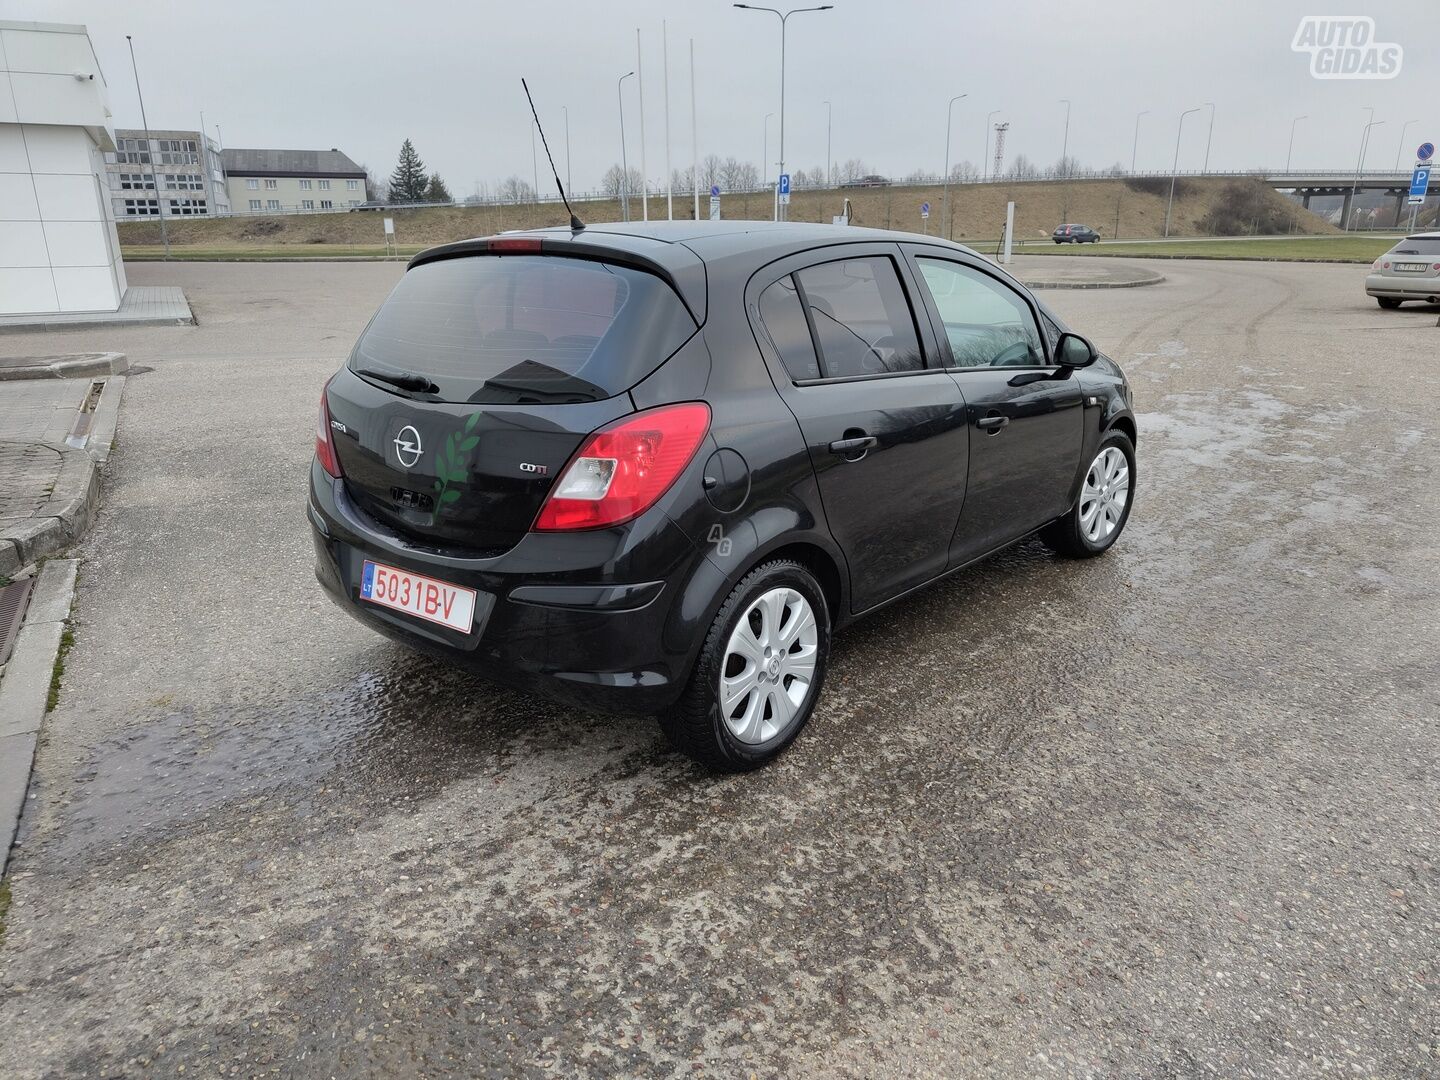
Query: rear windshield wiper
(404, 380)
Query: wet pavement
(1168, 813)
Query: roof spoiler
(687, 278)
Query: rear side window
(525, 328)
(862, 320)
(783, 321)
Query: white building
(58, 248)
(281, 181)
(185, 164)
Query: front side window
(782, 320)
(986, 323)
(862, 321)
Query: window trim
(914, 252)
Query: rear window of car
(863, 324)
(525, 328)
(1417, 245)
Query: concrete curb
(76, 495)
(26, 688)
(68, 367)
(1138, 283)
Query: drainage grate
(13, 600)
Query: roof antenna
(575, 223)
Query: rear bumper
(591, 619)
(1420, 287)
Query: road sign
(925, 210)
(784, 189)
(1426, 151)
(714, 191)
(715, 204)
(389, 226)
(1419, 182)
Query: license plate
(1411, 265)
(424, 597)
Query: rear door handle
(851, 446)
(992, 424)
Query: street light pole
(640, 87)
(985, 161)
(1136, 144)
(1291, 148)
(624, 162)
(1176, 165)
(829, 165)
(784, 18)
(1360, 166)
(765, 158)
(1401, 148)
(1065, 164)
(149, 154)
(1205, 168)
(569, 186)
(945, 189)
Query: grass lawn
(1358, 249)
(260, 252)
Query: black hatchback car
(652, 468)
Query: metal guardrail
(1341, 177)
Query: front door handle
(992, 424)
(851, 446)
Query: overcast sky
(362, 76)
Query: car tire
(765, 718)
(1058, 242)
(1096, 520)
(1389, 303)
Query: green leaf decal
(469, 443)
(438, 486)
(470, 423)
(449, 496)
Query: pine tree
(407, 182)
(436, 191)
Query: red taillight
(324, 445)
(1387, 266)
(622, 469)
(503, 244)
(1435, 267)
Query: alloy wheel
(769, 666)
(1104, 495)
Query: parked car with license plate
(654, 467)
(1408, 271)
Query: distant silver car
(1408, 271)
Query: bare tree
(1021, 168)
(749, 178)
(963, 172)
(682, 179)
(853, 170)
(1065, 166)
(711, 170)
(919, 176)
(611, 184)
(515, 190)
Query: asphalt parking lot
(1169, 813)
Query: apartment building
(175, 171)
(280, 181)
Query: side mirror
(1074, 351)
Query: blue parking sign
(1419, 183)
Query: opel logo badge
(407, 446)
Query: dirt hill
(1112, 207)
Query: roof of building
(289, 163)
